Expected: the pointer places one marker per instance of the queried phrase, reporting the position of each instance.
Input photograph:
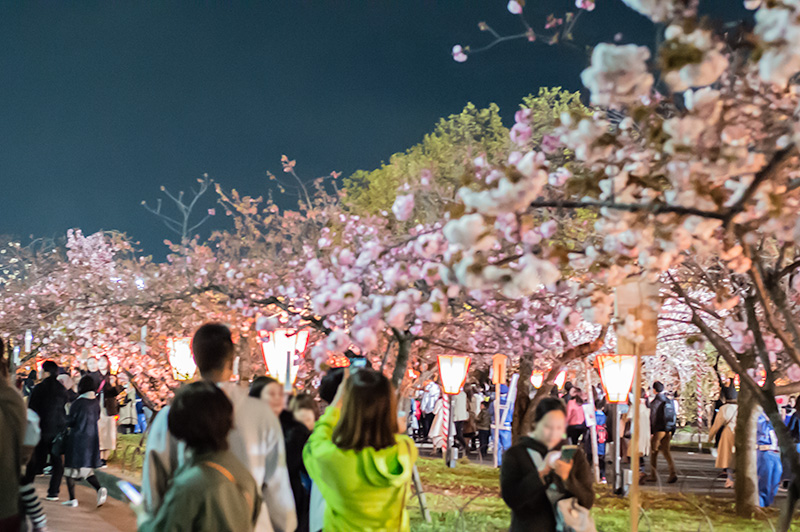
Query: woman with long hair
(725, 423)
(359, 459)
(535, 475)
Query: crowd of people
(69, 431)
(224, 456)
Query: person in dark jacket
(82, 445)
(48, 399)
(531, 489)
(660, 433)
(484, 426)
(29, 383)
(295, 436)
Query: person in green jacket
(213, 491)
(359, 460)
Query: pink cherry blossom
(459, 54)
(514, 7)
(403, 207)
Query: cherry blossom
(618, 74)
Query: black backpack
(670, 417)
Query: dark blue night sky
(103, 102)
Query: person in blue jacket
(768, 461)
(504, 434)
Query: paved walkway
(113, 516)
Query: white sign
(588, 414)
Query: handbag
(570, 515)
(59, 445)
(575, 518)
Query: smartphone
(567, 452)
(130, 492)
(356, 363)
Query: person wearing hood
(358, 458)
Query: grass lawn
(125, 457)
(467, 498)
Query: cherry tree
(705, 169)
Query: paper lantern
(537, 378)
(561, 378)
(283, 350)
(179, 351)
(453, 371)
(616, 374)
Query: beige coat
(644, 430)
(725, 421)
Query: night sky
(104, 102)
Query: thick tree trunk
(746, 487)
(523, 399)
(403, 350)
(573, 353)
(526, 424)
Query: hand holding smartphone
(130, 492)
(568, 452)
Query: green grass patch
(467, 498)
(125, 457)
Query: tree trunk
(746, 486)
(523, 399)
(403, 350)
(573, 353)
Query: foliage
(445, 153)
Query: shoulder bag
(570, 515)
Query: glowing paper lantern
(537, 379)
(179, 351)
(453, 371)
(616, 374)
(561, 378)
(282, 350)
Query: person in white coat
(460, 416)
(644, 434)
(430, 397)
(256, 439)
